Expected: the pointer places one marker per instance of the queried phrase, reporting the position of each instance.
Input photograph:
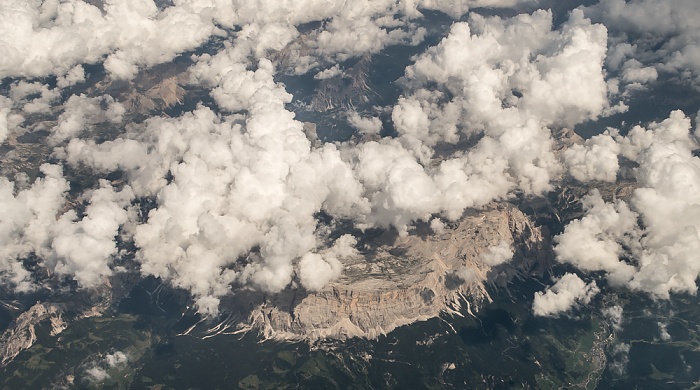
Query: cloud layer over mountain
(237, 186)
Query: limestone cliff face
(413, 278)
(23, 334)
(57, 315)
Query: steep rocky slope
(403, 280)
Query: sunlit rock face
(401, 280)
(24, 334)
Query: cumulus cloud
(634, 72)
(81, 112)
(620, 353)
(510, 80)
(242, 181)
(73, 77)
(329, 73)
(498, 254)
(34, 222)
(34, 97)
(116, 359)
(5, 107)
(42, 38)
(349, 37)
(316, 270)
(654, 35)
(460, 7)
(98, 372)
(596, 159)
(247, 179)
(669, 205)
(437, 226)
(28, 218)
(557, 73)
(309, 10)
(85, 248)
(651, 242)
(504, 97)
(350, 29)
(569, 291)
(595, 242)
(365, 125)
(663, 331)
(237, 183)
(615, 315)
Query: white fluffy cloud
(5, 107)
(509, 79)
(498, 254)
(569, 291)
(34, 223)
(316, 270)
(350, 29)
(365, 125)
(654, 36)
(73, 77)
(28, 217)
(84, 249)
(595, 242)
(249, 178)
(658, 255)
(34, 97)
(97, 373)
(515, 69)
(42, 38)
(238, 182)
(242, 180)
(596, 159)
(614, 314)
(116, 359)
(329, 73)
(669, 205)
(81, 112)
(52, 37)
(295, 12)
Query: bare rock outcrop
(23, 334)
(409, 279)
(55, 316)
